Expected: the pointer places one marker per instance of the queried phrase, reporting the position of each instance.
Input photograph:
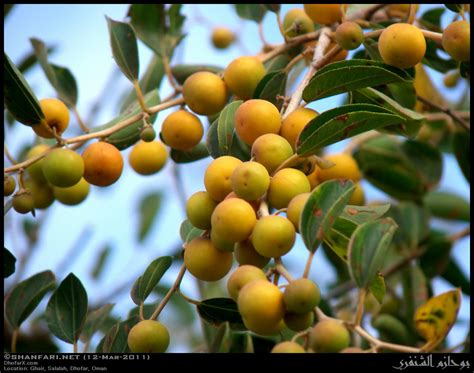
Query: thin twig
(360, 307)
(8, 154)
(81, 123)
(380, 344)
(461, 234)
(453, 114)
(169, 75)
(282, 270)
(308, 264)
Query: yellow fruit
(243, 75)
(73, 195)
(205, 93)
(286, 184)
(148, 336)
(222, 37)
(295, 207)
(271, 150)
(241, 277)
(345, 168)
(294, 123)
(63, 167)
(287, 347)
(56, 115)
(36, 169)
(217, 176)
(221, 242)
(456, 40)
(250, 180)
(357, 197)
(233, 219)
(451, 78)
(399, 10)
(297, 22)
(313, 177)
(103, 164)
(273, 236)
(147, 158)
(329, 336)
(245, 253)
(349, 35)
(325, 14)
(299, 321)
(255, 203)
(199, 208)
(301, 296)
(182, 130)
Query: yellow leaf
(434, 319)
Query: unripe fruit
(9, 185)
(242, 76)
(147, 158)
(349, 35)
(205, 93)
(23, 202)
(250, 180)
(36, 169)
(222, 37)
(262, 308)
(103, 164)
(295, 207)
(42, 194)
(63, 167)
(294, 123)
(297, 22)
(255, 118)
(273, 236)
(206, 262)
(241, 277)
(233, 219)
(287, 347)
(286, 184)
(148, 336)
(302, 296)
(73, 195)
(299, 321)
(325, 14)
(182, 130)
(457, 39)
(313, 177)
(56, 115)
(345, 168)
(329, 336)
(358, 197)
(147, 134)
(199, 208)
(402, 45)
(217, 176)
(245, 253)
(271, 150)
(221, 242)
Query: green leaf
(144, 285)
(18, 97)
(465, 70)
(340, 123)
(435, 259)
(462, 151)
(60, 77)
(102, 257)
(26, 296)
(431, 19)
(325, 203)
(94, 320)
(368, 248)
(252, 12)
(275, 8)
(448, 205)
(183, 71)
(456, 8)
(377, 287)
(8, 263)
(221, 341)
(272, 87)
(415, 290)
(30, 59)
(187, 231)
(219, 310)
(186, 156)
(435, 61)
(124, 48)
(67, 309)
(391, 329)
(149, 208)
(7, 9)
(362, 214)
(276, 63)
(456, 277)
(343, 76)
(116, 339)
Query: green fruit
(250, 180)
(148, 336)
(271, 150)
(42, 194)
(285, 185)
(241, 277)
(199, 208)
(245, 253)
(329, 336)
(221, 242)
(23, 202)
(302, 296)
(63, 167)
(273, 236)
(147, 134)
(296, 22)
(9, 185)
(36, 169)
(349, 35)
(287, 347)
(72, 195)
(299, 321)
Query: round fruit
(222, 243)
(329, 336)
(273, 236)
(287, 347)
(233, 219)
(147, 158)
(199, 208)
(9, 185)
(357, 197)
(63, 167)
(271, 150)
(294, 123)
(325, 14)
(457, 39)
(250, 180)
(451, 79)
(345, 168)
(255, 203)
(72, 195)
(245, 253)
(206, 262)
(262, 308)
(297, 22)
(56, 115)
(243, 75)
(400, 10)
(147, 134)
(299, 321)
(313, 177)
(349, 35)
(286, 184)
(42, 193)
(205, 93)
(255, 118)
(241, 277)
(36, 169)
(302, 296)
(295, 207)
(148, 336)
(103, 164)
(182, 130)
(217, 176)
(222, 37)
(402, 45)
(23, 202)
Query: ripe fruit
(222, 37)
(299, 321)
(357, 197)
(182, 130)
(241, 277)
(72, 195)
(23, 202)
(295, 207)
(402, 45)
(255, 118)
(325, 14)
(297, 22)
(42, 194)
(63, 167)
(286, 184)
(233, 219)
(103, 164)
(399, 10)
(9, 185)
(302, 296)
(199, 208)
(205, 261)
(56, 115)
(205, 93)
(329, 336)
(147, 158)
(148, 336)
(221, 242)
(217, 176)
(271, 150)
(451, 78)
(313, 177)
(294, 123)
(349, 35)
(345, 168)
(262, 308)
(273, 236)
(36, 169)
(147, 134)
(287, 347)
(242, 76)
(245, 253)
(255, 203)
(456, 40)
(250, 180)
